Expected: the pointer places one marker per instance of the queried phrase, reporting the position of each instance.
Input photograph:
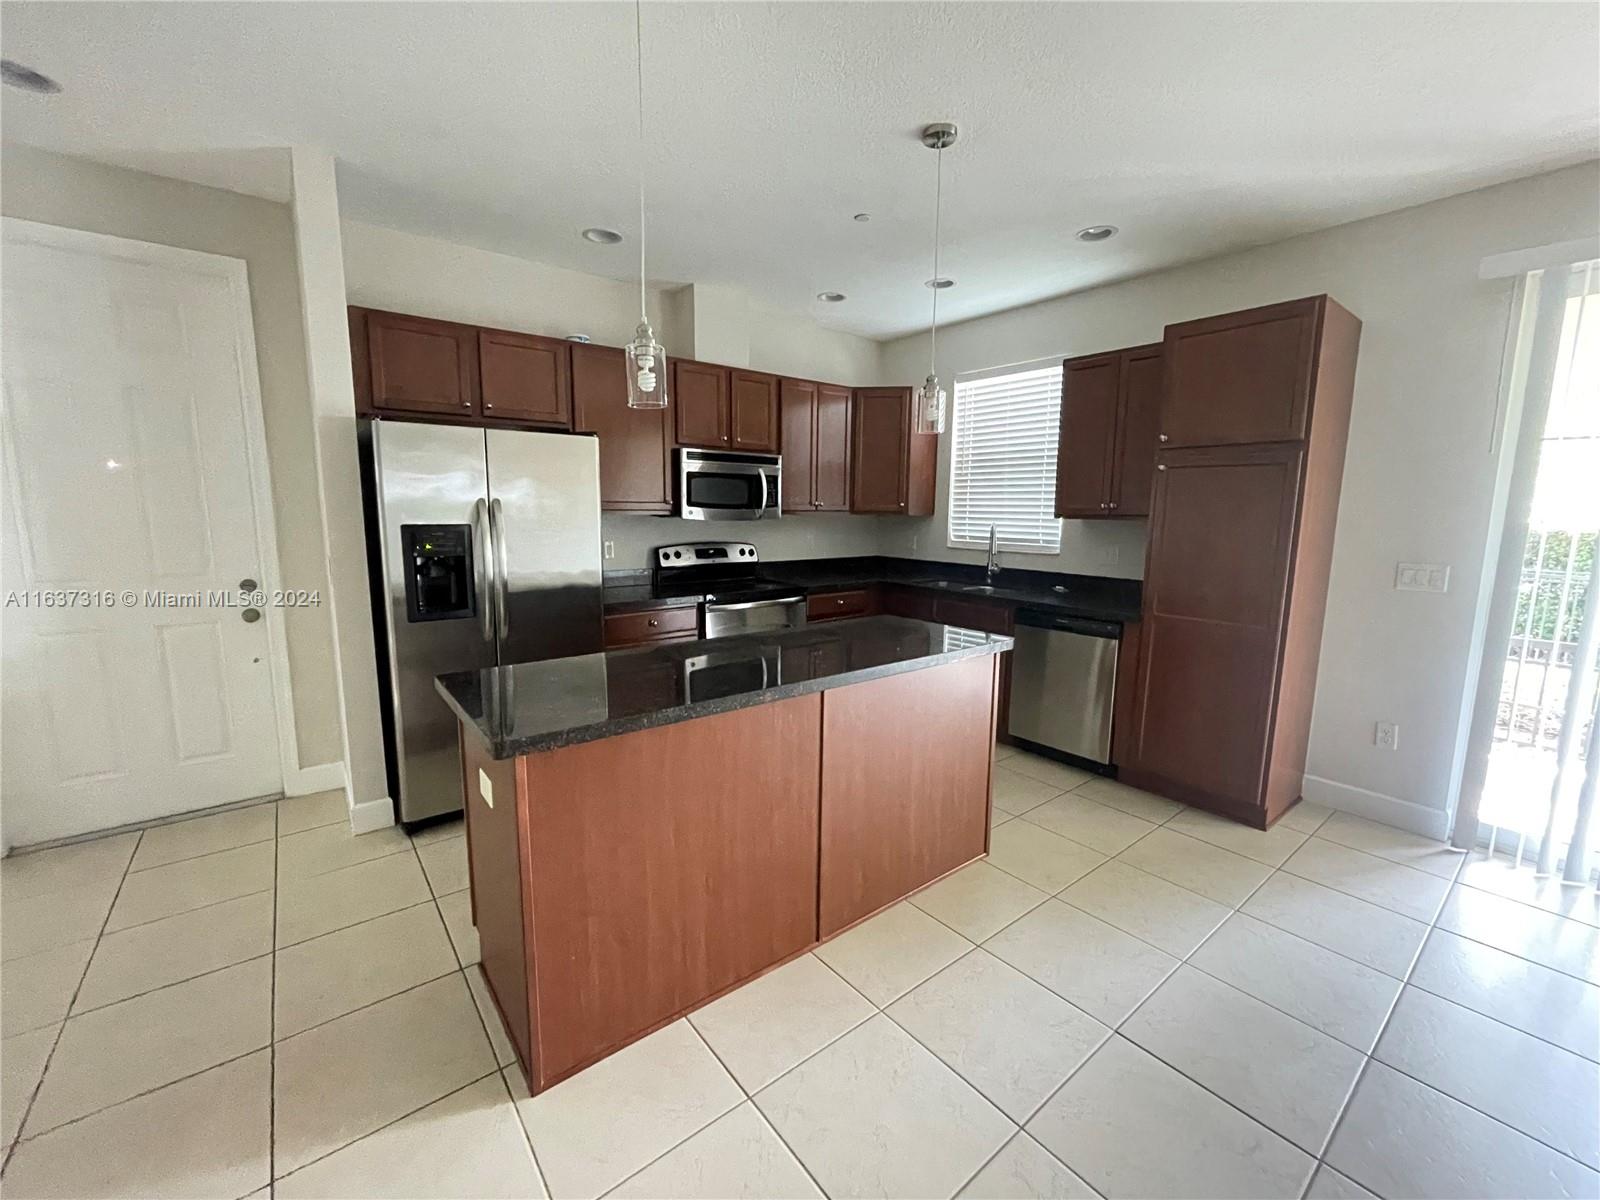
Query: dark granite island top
(530, 707)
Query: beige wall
(1420, 475)
(56, 190)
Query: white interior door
(129, 494)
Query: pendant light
(930, 396)
(647, 361)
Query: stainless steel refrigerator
(484, 546)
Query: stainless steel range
(737, 600)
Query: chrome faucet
(991, 568)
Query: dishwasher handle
(1083, 626)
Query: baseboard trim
(371, 815)
(1376, 806)
(323, 777)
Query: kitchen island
(649, 828)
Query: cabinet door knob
(1113, 504)
(1161, 466)
(652, 622)
(1161, 437)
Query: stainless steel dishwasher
(1064, 683)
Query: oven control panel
(688, 554)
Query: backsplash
(830, 535)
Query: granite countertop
(530, 707)
(1069, 595)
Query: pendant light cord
(938, 203)
(638, 50)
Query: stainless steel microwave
(717, 485)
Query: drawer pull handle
(653, 622)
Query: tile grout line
(33, 1096)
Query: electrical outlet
(1386, 735)
(1421, 577)
(1110, 555)
(608, 549)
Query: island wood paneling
(905, 784)
(669, 864)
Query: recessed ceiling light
(1097, 233)
(830, 297)
(604, 237)
(940, 283)
(862, 217)
(14, 74)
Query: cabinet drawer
(652, 625)
(835, 606)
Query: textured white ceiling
(1197, 128)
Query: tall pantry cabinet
(1250, 451)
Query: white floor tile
(1285, 1074)
(50, 920)
(1521, 929)
(1095, 966)
(499, 1038)
(115, 1053)
(1131, 1126)
(440, 831)
(1011, 1038)
(886, 956)
(1497, 875)
(337, 973)
(353, 1075)
(318, 851)
(467, 1144)
(93, 865)
(194, 883)
(1328, 1184)
(1015, 793)
(1543, 1091)
(1025, 1170)
(205, 1136)
(1131, 800)
(1306, 817)
(737, 1155)
(1047, 770)
(176, 948)
(37, 990)
(875, 1114)
(1167, 916)
(1342, 998)
(205, 835)
(1213, 872)
(978, 900)
(998, 817)
(1003, 752)
(775, 1022)
(308, 907)
(22, 1060)
(1402, 1138)
(445, 863)
(1397, 845)
(1081, 820)
(1376, 937)
(1535, 999)
(299, 813)
(1037, 856)
(1411, 893)
(594, 1130)
(456, 909)
(1271, 846)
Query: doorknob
(250, 615)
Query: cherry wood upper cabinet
(797, 403)
(526, 377)
(1110, 405)
(700, 398)
(423, 366)
(1241, 378)
(754, 400)
(891, 465)
(635, 443)
(832, 490)
(1089, 388)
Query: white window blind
(1003, 460)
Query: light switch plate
(1421, 577)
(485, 787)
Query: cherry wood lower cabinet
(620, 883)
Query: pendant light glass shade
(930, 406)
(647, 369)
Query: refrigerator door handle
(497, 527)
(483, 568)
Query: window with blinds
(1003, 459)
